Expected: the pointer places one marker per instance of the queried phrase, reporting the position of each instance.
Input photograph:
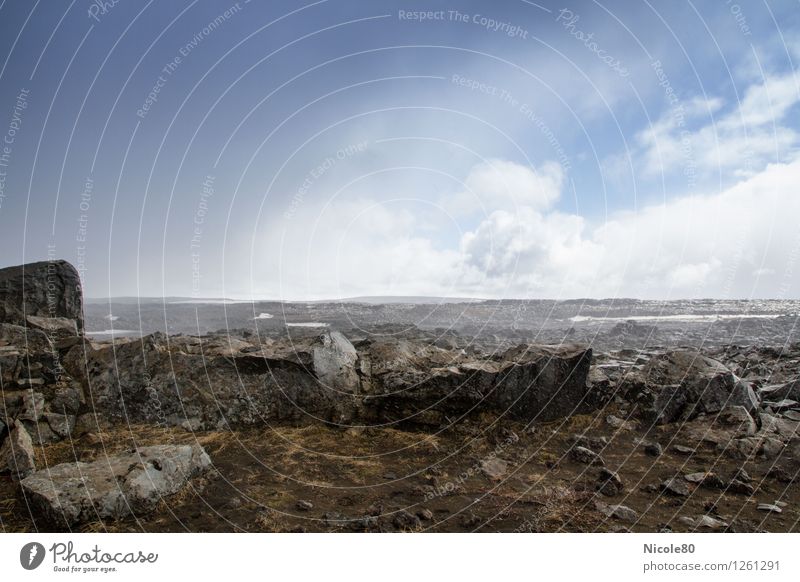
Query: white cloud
(740, 242)
(741, 140)
(500, 184)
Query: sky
(329, 149)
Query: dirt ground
(486, 474)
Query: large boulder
(48, 289)
(335, 362)
(114, 487)
(682, 384)
(427, 386)
(163, 381)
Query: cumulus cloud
(504, 185)
(740, 242)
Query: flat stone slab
(114, 487)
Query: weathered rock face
(114, 487)
(16, 453)
(427, 386)
(174, 381)
(335, 362)
(682, 384)
(48, 289)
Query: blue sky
(328, 149)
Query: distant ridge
(373, 300)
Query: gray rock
(620, 512)
(675, 487)
(696, 477)
(335, 362)
(61, 424)
(153, 380)
(792, 415)
(54, 327)
(704, 522)
(609, 483)
(619, 423)
(45, 289)
(585, 456)
(743, 395)
(781, 405)
(769, 507)
(32, 406)
(740, 487)
(303, 505)
(790, 391)
(494, 468)
(16, 453)
(114, 487)
(687, 383)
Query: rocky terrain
(478, 416)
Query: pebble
(675, 486)
(653, 449)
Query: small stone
(621, 512)
(620, 424)
(682, 450)
(495, 469)
(60, 424)
(676, 487)
(740, 487)
(304, 505)
(653, 449)
(404, 520)
(586, 456)
(782, 405)
(696, 477)
(704, 521)
(425, 514)
(769, 507)
(742, 475)
(779, 474)
(609, 483)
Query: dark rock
(779, 474)
(675, 487)
(609, 483)
(45, 289)
(585, 456)
(740, 487)
(405, 521)
(303, 505)
(687, 383)
(653, 449)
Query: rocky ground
(387, 427)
